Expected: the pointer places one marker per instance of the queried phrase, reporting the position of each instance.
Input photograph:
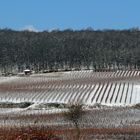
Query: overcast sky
(76, 14)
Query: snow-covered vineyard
(88, 87)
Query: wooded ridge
(68, 49)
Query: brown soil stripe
(76, 93)
(108, 92)
(100, 92)
(104, 92)
(127, 74)
(82, 94)
(17, 131)
(117, 93)
(123, 73)
(88, 89)
(127, 93)
(130, 73)
(133, 73)
(122, 92)
(131, 92)
(118, 73)
(90, 93)
(113, 93)
(137, 73)
(72, 92)
(95, 92)
(66, 97)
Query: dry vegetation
(21, 118)
(98, 124)
(35, 133)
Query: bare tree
(74, 114)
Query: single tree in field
(74, 114)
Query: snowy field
(97, 118)
(120, 88)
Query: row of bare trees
(68, 49)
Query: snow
(8, 79)
(106, 94)
(42, 89)
(136, 96)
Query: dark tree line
(68, 49)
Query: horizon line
(71, 29)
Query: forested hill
(107, 49)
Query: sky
(39, 15)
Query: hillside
(68, 49)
